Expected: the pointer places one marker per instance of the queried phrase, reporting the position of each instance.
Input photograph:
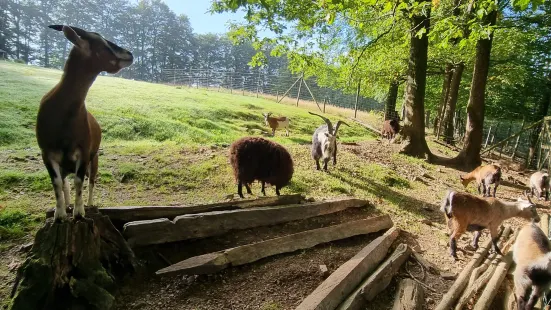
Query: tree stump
(73, 265)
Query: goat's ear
(74, 38)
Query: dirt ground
(283, 281)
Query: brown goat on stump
(465, 212)
(67, 134)
(391, 127)
(484, 176)
(255, 158)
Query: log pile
(480, 280)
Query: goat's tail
(446, 205)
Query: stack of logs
(480, 280)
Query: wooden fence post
(357, 96)
(518, 140)
(299, 85)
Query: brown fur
(391, 128)
(467, 212)
(273, 122)
(484, 176)
(255, 158)
(533, 266)
(67, 134)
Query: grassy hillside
(161, 144)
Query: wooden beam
(142, 213)
(456, 290)
(369, 127)
(201, 225)
(378, 281)
(410, 296)
(246, 254)
(330, 293)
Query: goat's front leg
(273, 132)
(80, 172)
(56, 178)
(475, 239)
(335, 155)
(263, 188)
(248, 189)
(546, 195)
(479, 185)
(325, 161)
(496, 184)
(494, 233)
(240, 189)
(536, 293)
(318, 164)
(277, 190)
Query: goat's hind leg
(80, 172)
(476, 238)
(263, 188)
(240, 189)
(248, 189)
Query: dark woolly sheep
(255, 158)
(391, 127)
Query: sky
(201, 20)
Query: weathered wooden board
(184, 227)
(245, 254)
(410, 296)
(378, 281)
(142, 213)
(342, 282)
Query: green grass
(167, 145)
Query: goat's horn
(338, 125)
(327, 121)
(80, 32)
(527, 196)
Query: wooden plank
(246, 254)
(142, 213)
(410, 296)
(342, 282)
(201, 225)
(378, 281)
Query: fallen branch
(410, 296)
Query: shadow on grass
(407, 203)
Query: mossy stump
(73, 265)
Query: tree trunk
(452, 102)
(541, 112)
(413, 132)
(469, 157)
(444, 98)
(390, 103)
(73, 265)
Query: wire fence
(296, 88)
(272, 86)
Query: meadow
(162, 145)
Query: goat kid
(532, 256)
(67, 134)
(465, 212)
(484, 176)
(324, 142)
(539, 184)
(276, 123)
